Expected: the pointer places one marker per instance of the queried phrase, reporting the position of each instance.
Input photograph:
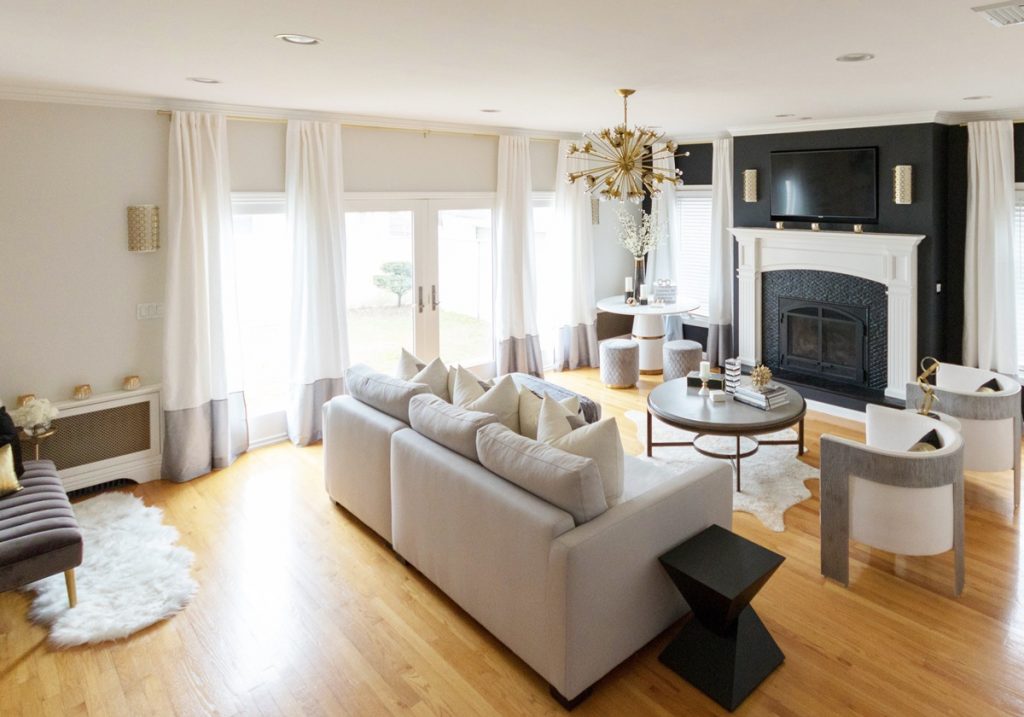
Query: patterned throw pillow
(8, 478)
(9, 436)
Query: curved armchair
(882, 494)
(991, 422)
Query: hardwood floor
(301, 610)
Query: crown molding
(142, 102)
(819, 125)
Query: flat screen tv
(831, 185)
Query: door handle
(434, 301)
(419, 293)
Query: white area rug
(772, 479)
(133, 574)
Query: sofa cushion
(590, 409)
(529, 410)
(502, 399)
(599, 441)
(453, 427)
(569, 482)
(435, 376)
(385, 393)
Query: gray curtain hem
(305, 411)
(577, 347)
(520, 355)
(720, 345)
(203, 439)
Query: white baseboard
(837, 411)
(140, 471)
(268, 441)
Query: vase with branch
(638, 238)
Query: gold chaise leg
(69, 580)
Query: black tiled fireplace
(823, 340)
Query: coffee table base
(726, 667)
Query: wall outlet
(144, 312)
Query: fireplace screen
(825, 340)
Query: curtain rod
(425, 131)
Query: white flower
(638, 240)
(35, 412)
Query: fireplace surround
(889, 259)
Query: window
(1018, 233)
(263, 260)
(693, 267)
(550, 261)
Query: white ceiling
(700, 66)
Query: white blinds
(693, 212)
(1018, 234)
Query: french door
(420, 276)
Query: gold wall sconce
(903, 184)
(749, 185)
(143, 228)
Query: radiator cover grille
(98, 435)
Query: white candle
(629, 283)
(705, 370)
(643, 291)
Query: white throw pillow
(435, 376)
(408, 366)
(529, 410)
(599, 441)
(502, 400)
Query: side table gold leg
(69, 581)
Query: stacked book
(766, 398)
(732, 375)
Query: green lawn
(376, 336)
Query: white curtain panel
(204, 409)
(990, 317)
(663, 260)
(720, 291)
(518, 337)
(316, 219)
(575, 309)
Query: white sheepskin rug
(772, 479)
(133, 574)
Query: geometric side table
(725, 651)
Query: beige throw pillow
(529, 410)
(599, 441)
(435, 376)
(8, 478)
(502, 400)
(408, 366)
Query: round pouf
(681, 357)
(620, 363)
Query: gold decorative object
(595, 211)
(749, 185)
(131, 383)
(760, 376)
(780, 225)
(24, 398)
(82, 392)
(143, 228)
(815, 227)
(858, 228)
(925, 409)
(35, 437)
(632, 302)
(903, 184)
(622, 160)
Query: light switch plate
(144, 312)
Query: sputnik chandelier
(622, 160)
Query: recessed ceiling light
(855, 57)
(786, 114)
(978, 97)
(490, 111)
(203, 80)
(297, 39)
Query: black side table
(726, 652)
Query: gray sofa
(568, 583)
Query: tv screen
(832, 185)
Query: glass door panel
(379, 286)
(464, 271)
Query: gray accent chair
(39, 534)
(990, 422)
(882, 494)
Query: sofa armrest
(608, 595)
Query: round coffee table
(648, 326)
(680, 406)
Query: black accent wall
(921, 145)
(697, 167)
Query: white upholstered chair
(991, 421)
(882, 494)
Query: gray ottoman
(680, 357)
(620, 363)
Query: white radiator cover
(107, 437)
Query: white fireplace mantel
(890, 259)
